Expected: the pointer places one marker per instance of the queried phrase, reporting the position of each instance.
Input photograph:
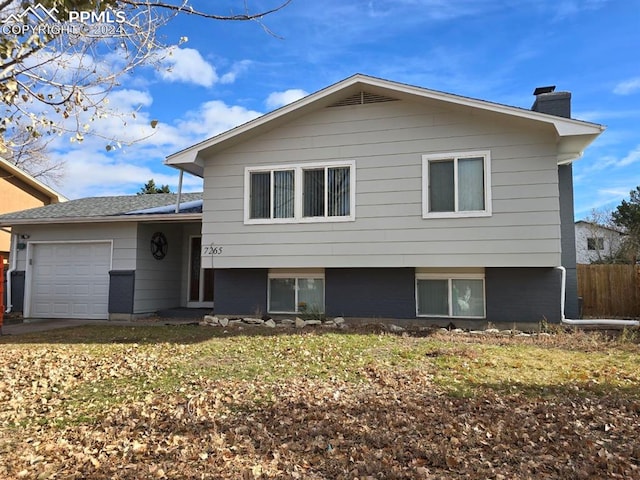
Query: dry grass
(196, 402)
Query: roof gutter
(181, 217)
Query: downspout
(590, 322)
(179, 191)
(13, 254)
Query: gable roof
(110, 209)
(33, 182)
(597, 226)
(574, 135)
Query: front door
(200, 279)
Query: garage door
(70, 280)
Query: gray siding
(387, 142)
(522, 295)
(123, 236)
(158, 282)
(240, 292)
(370, 292)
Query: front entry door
(200, 279)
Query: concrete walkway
(43, 325)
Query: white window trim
(426, 159)
(297, 276)
(449, 277)
(298, 169)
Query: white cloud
(187, 65)
(279, 99)
(600, 115)
(91, 170)
(627, 87)
(237, 68)
(632, 157)
(214, 117)
(96, 174)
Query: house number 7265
(211, 250)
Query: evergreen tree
(150, 187)
(627, 216)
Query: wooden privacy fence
(609, 290)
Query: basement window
(453, 295)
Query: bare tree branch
(56, 81)
(184, 7)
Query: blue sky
(498, 50)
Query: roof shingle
(99, 206)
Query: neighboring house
(595, 243)
(19, 191)
(369, 198)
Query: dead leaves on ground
(391, 423)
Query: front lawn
(202, 402)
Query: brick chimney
(552, 102)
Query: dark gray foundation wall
(370, 292)
(568, 242)
(121, 291)
(513, 295)
(523, 295)
(240, 291)
(17, 290)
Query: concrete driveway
(42, 325)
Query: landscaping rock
(313, 322)
(224, 322)
(338, 320)
(270, 323)
(210, 320)
(300, 323)
(253, 321)
(396, 329)
(287, 321)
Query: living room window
(300, 193)
(296, 293)
(456, 185)
(272, 194)
(459, 295)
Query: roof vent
(361, 98)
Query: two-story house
(372, 198)
(369, 198)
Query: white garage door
(70, 280)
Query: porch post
(179, 191)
